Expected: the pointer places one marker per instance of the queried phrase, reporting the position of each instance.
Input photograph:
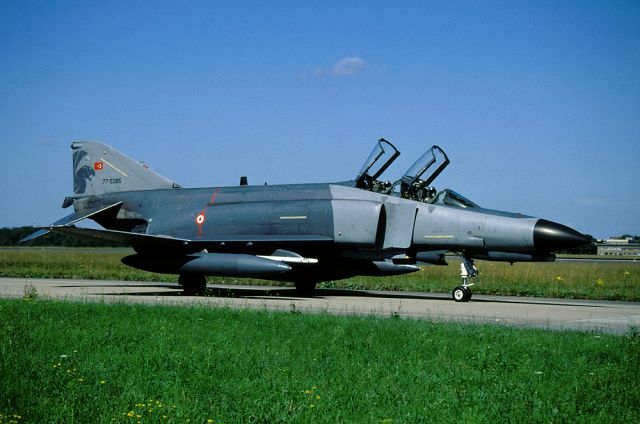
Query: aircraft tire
(193, 285)
(305, 288)
(461, 294)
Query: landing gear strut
(463, 293)
(305, 288)
(193, 285)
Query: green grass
(86, 263)
(613, 281)
(73, 362)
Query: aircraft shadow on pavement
(289, 293)
(282, 293)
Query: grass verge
(72, 362)
(611, 281)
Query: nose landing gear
(468, 270)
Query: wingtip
(34, 236)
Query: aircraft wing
(165, 241)
(124, 237)
(69, 220)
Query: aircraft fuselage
(335, 223)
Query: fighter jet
(299, 233)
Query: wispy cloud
(350, 65)
(347, 66)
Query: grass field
(613, 281)
(102, 363)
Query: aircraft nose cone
(550, 236)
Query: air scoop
(550, 236)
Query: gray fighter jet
(301, 233)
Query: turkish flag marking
(98, 166)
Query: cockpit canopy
(415, 183)
(380, 158)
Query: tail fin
(99, 169)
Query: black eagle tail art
(81, 173)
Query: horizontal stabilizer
(34, 236)
(68, 220)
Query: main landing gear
(193, 285)
(468, 270)
(305, 288)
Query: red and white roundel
(200, 219)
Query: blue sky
(536, 103)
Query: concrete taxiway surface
(583, 315)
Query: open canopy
(434, 159)
(380, 158)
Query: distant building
(619, 247)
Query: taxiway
(565, 314)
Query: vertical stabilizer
(99, 169)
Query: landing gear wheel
(305, 288)
(193, 285)
(461, 294)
